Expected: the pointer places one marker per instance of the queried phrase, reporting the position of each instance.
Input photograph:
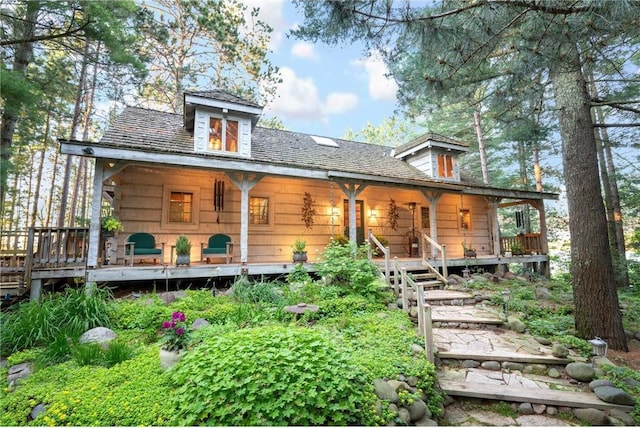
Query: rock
(552, 410)
(631, 382)
(413, 312)
(378, 408)
(18, 371)
(542, 340)
(470, 364)
(37, 410)
(404, 415)
(582, 372)
(425, 422)
(512, 366)
(399, 385)
(591, 416)
(564, 410)
(509, 275)
(168, 298)
(412, 380)
(553, 373)
(516, 325)
(417, 349)
(100, 335)
(600, 382)
(538, 369)
(491, 365)
(384, 391)
(559, 351)
(199, 323)
(625, 418)
(613, 395)
(543, 293)
(539, 408)
(525, 409)
(418, 409)
(392, 306)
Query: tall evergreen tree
(452, 46)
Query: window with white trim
(259, 210)
(223, 134)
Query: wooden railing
(57, 247)
(375, 245)
(442, 249)
(425, 322)
(530, 243)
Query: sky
(326, 89)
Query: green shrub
(271, 376)
(85, 354)
(298, 274)
(246, 291)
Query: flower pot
(300, 257)
(169, 359)
(470, 253)
(183, 260)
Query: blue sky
(326, 90)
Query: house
(213, 170)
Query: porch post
(94, 225)
(245, 183)
(495, 226)
(546, 268)
(352, 191)
(433, 198)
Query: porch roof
(161, 133)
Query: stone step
(443, 295)
(463, 314)
(520, 394)
(430, 284)
(501, 356)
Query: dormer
(434, 155)
(221, 123)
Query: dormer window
(223, 134)
(445, 166)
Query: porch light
(373, 214)
(600, 348)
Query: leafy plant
(271, 376)
(175, 333)
(517, 248)
(298, 274)
(183, 246)
(86, 354)
(393, 215)
(308, 210)
(111, 224)
(246, 291)
(299, 246)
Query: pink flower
(166, 324)
(180, 331)
(178, 316)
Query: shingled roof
(155, 131)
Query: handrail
(425, 322)
(443, 258)
(385, 251)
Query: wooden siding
(140, 197)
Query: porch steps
(423, 278)
(463, 314)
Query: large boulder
(591, 416)
(582, 372)
(559, 351)
(418, 409)
(99, 335)
(611, 394)
(384, 391)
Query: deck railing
(57, 247)
(377, 247)
(442, 249)
(531, 243)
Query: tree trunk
(597, 312)
(481, 146)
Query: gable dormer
(434, 155)
(221, 123)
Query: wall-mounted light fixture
(373, 214)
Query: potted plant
(517, 249)
(299, 251)
(110, 225)
(385, 243)
(469, 251)
(183, 251)
(175, 337)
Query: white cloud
(304, 50)
(297, 97)
(381, 87)
(340, 102)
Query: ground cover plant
(323, 376)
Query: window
(465, 219)
(223, 134)
(258, 210)
(445, 166)
(181, 207)
(424, 215)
